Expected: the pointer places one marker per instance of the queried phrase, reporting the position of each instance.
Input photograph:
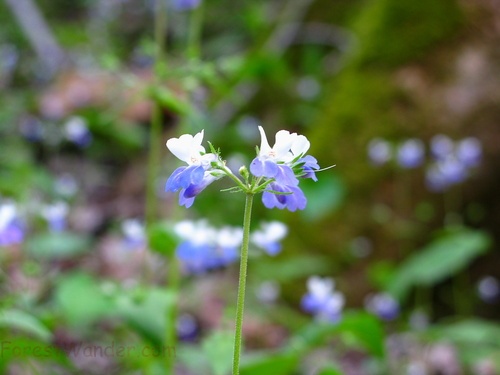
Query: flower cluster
(453, 161)
(322, 300)
(450, 164)
(282, 164)
(275, 171)
(204, 248)
(11, 228)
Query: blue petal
(269, 200)
(173, 181)
(263, 168)
(285, 175)
(191, 175)
(185, 201)
(292, 202)
(197, 175)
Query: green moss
(393, 32)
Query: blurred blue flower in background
(134, 234)
(77, 131)
(55, 214)
(411, 153)
(383, 305)
(488, 289)
(441, 146)
(187, 327)
(469, 151)
(11, 228)
(268, 237)
(205, 248)
(66, 185)
(183, 5)
(379, 151)
(445, 173)
(322, 301)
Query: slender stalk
(171, 332)
(156, 120)
(194, 33)
(242, 283)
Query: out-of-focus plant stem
(193, 49)
(155, 142)
(156, 118)
(242, 283)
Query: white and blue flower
(198, 174)
(284, 163)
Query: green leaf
(323, 196)
(270, 364)
(20, 320)
(362, 328)
(170, 101)
(292, 268)
(81, 300)
(445, 256)
(57, 245)
(366, 329)
(218, 348)
(473, 332)
(146, 312)
(163, 239)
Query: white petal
(186, 147)
(265, 149)
(284, 141)
(300, 145)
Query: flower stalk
(240, 304)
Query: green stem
(171, 333)
(156, 120)
(242, 283)
(194, 33)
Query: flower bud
(243, 171)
